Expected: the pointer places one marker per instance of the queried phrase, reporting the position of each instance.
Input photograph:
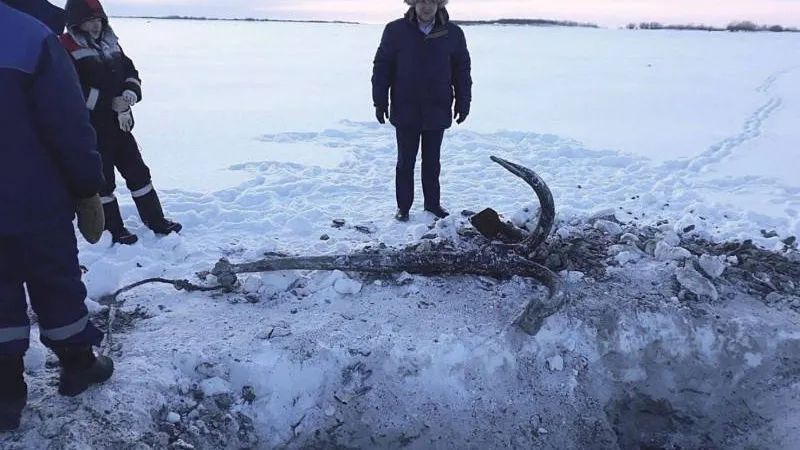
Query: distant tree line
(243, 19)
(744, 25)
(536, 22)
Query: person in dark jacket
(50, 168)
(424, 65)
(46, 12)
(111, 86)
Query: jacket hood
(442, 16)
(79, 11)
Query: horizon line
(477, 21)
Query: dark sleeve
(62, 121)
(462, 72)
(383, 69)
(132, 80)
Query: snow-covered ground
(260, 134)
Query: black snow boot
(114, 224)
(80, 368)
(401, 215)
(437, 211)
(152, 214)
(13, 392)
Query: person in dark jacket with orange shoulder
(111, 86)
(424, 66)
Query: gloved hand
(461, 112)
(91, 220)
(129, 97)
(118, 104)
(125, 120)
(382, 113)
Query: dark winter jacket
(103, 68)
(423, 73)
(46, 12)
(47, 144)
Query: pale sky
(602, 12)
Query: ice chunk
(215, 386)
(274, 283)
(211, 370)
(323, 280)
(626, 257)
(609, 227)
(180, 444)
(347, 286)
(616, 249)
(629, 239)
(574, 276)
(713, 266)
(35, 359)
(556, 363)
(405, 278)
(753, 360)
(568, 231)
(666, 252)
(696, 283)
(774, 297)
(418, 231)
(602, 213)
(94, 307)
(672, 239)
(252, 284)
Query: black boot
(152, 214)
(401, 215)
(437, 211)
(80, 368)
(114, 224)
(13, 392)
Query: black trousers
(408, 144)
(119, 150)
